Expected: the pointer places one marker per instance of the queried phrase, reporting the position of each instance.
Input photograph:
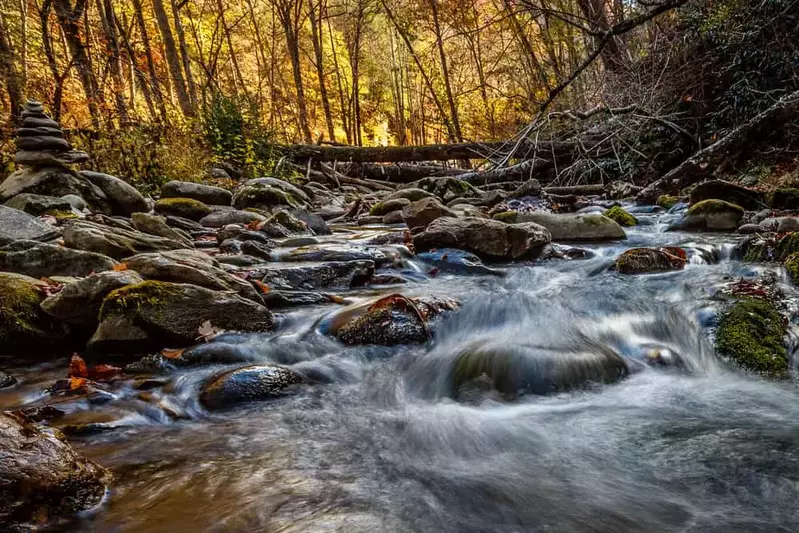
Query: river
(691, 447)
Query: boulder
(666, 201)
(778, 225)
(18, 225)
(421, 213)
(190, 266)
(314, 222)
(115, 242)
(792, 268)
(395, 217)
(243, 234)
(386, 207)
(182, 207)
(530, 187)
(710, 215)
(207, 194)
(37, 205)
(156, 225)
(248, 384)
(336, 253)
(727, 192)
(283, 224)
(785, 198)
(770, 248)
(24, 327)
(490, 239)
(256, 249)
(580, 228)
(189, 226)
(218, 219)
(42, 479)
(125, 199)
(750, 334)
(37, 259)
(79, 302)
(621, 217)
(332, 274)
(650, 260)
(57, 182)
(154, 314)
(413, 194)
(266, 193)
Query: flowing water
(381, 447)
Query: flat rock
(266, 193)
(54, 181)
(207, 194)
(218, 219)
(43, 143)
(333, 274)
(18, 225)
(79, 302)
(580, 228)
(37, 259)
(182, 207)
(125, 199)
(156, 225)
(114, 242)
(37, 204)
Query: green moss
(260, 194)
(792, 267)
(751, 334)
(508, 217)
(19, 306)
(622, 217)
(377, 209)
(61, 215)
(667, 201)
(182, 207)
(288, 221)
(647, 260)
(134, 296)
(709, 207)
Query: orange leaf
(171, 353)
(261, 285)
(76, 384)
(77, 367)
(119, 267)
(104, 372)
(254, 225)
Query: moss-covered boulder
(383, 208)
(666, 201)
(43, 481)
(25, 328)
(710, 215)
(79, 302)
(727, 192)
(207, 194)
(750, 334)
(621, 217)
(151, 315)
(767, 249)
(650, 260)
(182, 207)
(412, 194)
(283, 224)
(267, 193)
(785, 198)
(792, 267)
(589, 227)
(248, 384)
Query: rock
(750, 334)
(42, 479)
(40, 140)
(778, 225)
(151, 315)
(79, 302)
(218, 219)
(457, 261)
(486, 238)
(710, 215)
(514, 369)
(56, 182)
(125, 199)
(189, 226)
(421, 213)
(75, 201)
(266, 193)
(792, 267)
(182, 207)
(242, 234)
(257, 249)
(37, 259)
(336, 253)
(580, 228)
(383, 208)
(650, 260)
(219, 174)
(332, 274)
(190, 266)
(24, 327)
(283, 224)
(530, 187)
(395, 217)
(37, 205)
(369, 220)
(18, 225)
(155, 225)
(785, 198)
(772, 248)
(621, 217)
(413, 194)
(467, 210)
(329, 212)
(315, 223)
(7, 380)
(207, 194)
(117, 243)
(727, 192)
(667, 202)
(749, 229)
(247, 384)
(622, 189)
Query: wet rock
(42, 479)
(750, 334)
(243, 234)
(666, 201)
(329, 212)
(727, 192)
(248, 384)
(189, 266)
(332, 274)
(155, 225)
(369, 220)
(117, 243)
(413, 194)
(37, 259)
(486, 238)
(24, 326)
(650, 260)
(283, 224)
(785, 198)
(421, 213)
(622, 189)
(581, 228)
(7, 380)
(37, 205)
(792, 267)
(207, 194)
(182, 207)
(150, 315)
(230, 246)
(336, 253)
(79, 302)
(219, 219)
(313, 222)
(771, 248)
(749, 229)
(395, 217)
(266, 193)
(56, 182)
(621, 217)
(383, 208)
(457, 261)
(124, 198)
(710, 215)
(779, 225)
(513, 369)
(17, 225)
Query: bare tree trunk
(342, 99)
(290, 14)
(232, 51)
(109, 25)
(316, 37)
(137, 76)
(10, 72)
(184, 53)
(171, 51)
(453, 106)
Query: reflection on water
(692, 446)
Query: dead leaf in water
(77, 367)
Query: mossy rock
(509, 217)
(24, 326)
(667, 201)
(768, 250)
(751, 334)
(182, 207)
(710, 207)
(622, 217)
(61, 215)
(265, 196)
(650, 260)
(792, 267)
(784, 198)
(710, 215)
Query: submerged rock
(18, 225)
(207, 194)
(39, 259)
(710, 215)
(248, 384)
(750, 334)
(42, 479)
(650, 260)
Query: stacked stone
(40, 140)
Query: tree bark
(148, 53)
(290, 15)
(172, 58)
(316, 38)
(184, 54)
(453, 106)
(109, 25)
(10, 73)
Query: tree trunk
(148, 52)
(342, 99)
(316, 38)
(172, 58)
(184, 55)
(453, 106)
(10, 73)
(289, 18)
(109, 25)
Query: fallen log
(702, 164)
(398, 173)
(577, 190)
(520, 172)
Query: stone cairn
(40, 140)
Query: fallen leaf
(254, 225)
(76, 384)
(172, 353)
(208, 331)
(77, 367)
(261, 285)
(103, 372)
(120, 267)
